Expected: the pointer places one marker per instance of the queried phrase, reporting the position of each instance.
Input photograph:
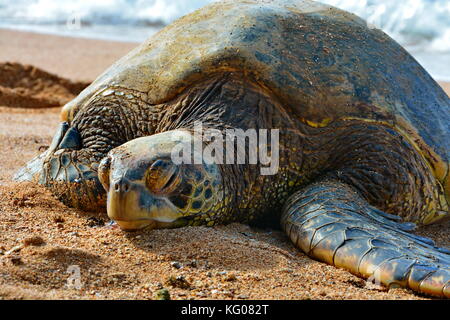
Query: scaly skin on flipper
(362, 126)
(330, 222)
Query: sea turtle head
(149, 185)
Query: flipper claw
(59, 135)
(71, 140)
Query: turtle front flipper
(332, 223)
(68, 170)
(33, 170)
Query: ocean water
(421, 26)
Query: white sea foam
(135, 12)
(422, 26)
(411, 22)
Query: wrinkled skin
(363, 141)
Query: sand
(73, 58)
(43, 244)
(25, 86)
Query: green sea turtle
(363, 137)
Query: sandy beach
(42, 241)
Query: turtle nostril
(122, 186)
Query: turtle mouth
(134, 225)
(132, 207)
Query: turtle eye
(103, 172)
(163, 177)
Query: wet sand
(41, 240)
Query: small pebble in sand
(162, 294)
(33, 241)
(287, 270)
(14, 249)
(16, 260)
(178, 282)
(227, 293)
(192, 264)
(176, 265)
(230, 277)
(201, 294)
(95, 222)
(58, 219)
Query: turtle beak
(132, 207)
(121, 206)
(134, 225)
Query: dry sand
(40, 238)
(73, 58)
(25, 86)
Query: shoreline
(96, 37)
